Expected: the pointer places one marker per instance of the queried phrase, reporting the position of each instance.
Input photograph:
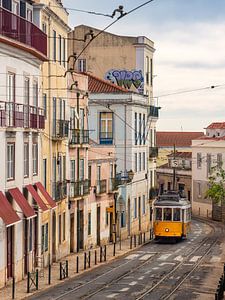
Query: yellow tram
(171, 216)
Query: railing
(101, 186)
(59, 190)
(153, 111)
(60, 129)
(113, 184)
(153, 152)
(79, 188)
(20, 115)
(79, 136)
(23, 31)
(106, 138)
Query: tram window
(158, 214)
(176, 214)
(167, 214)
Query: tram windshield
(167, 215)
(158, 214)
(176, 214)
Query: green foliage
(216, 190)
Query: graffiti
(126, 79)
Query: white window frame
(10, 161)
(35, 158)
(26, 159)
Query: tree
(216, 190)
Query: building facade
(207, 152)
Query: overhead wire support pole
(174, 168)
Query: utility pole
(174, 167)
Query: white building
(23, 49)
(125, 119)
(207, 151)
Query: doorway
(80, 229)
(98, 225)
(10, 253)
(71, 233)
(128, 217)
(139, 213)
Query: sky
(189, 37)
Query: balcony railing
(113, 184)
(153, 152)
(79, 137)
(23, 31)
(106, 138)
(153, 111)
(60, 129)
(79, 188)
(59, 190)
(20, 115)
(101, 186)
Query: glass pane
(158, 214)
(176, 214)
(167, 216)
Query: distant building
(123, 60)
(181, 162)
(207, 151)
(165, 141)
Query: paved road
(154, 271)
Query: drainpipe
(78, 173)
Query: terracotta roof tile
(181, 154)
(216, 125)
(180, 139)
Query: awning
(22, 202)
(36, 197)
(49, 199)
(7, 213)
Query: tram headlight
(167, 230)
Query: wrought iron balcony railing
(60, 129)
(106, 138)
(20, 115)
(59, 190)
(79, 136)
(17, 28)
(113, 184)
(153, 152)
(101, 186)
(79, 188)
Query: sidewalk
(21, 287)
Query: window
(26, 160)
(147, 70)
(45, 105)
(199, 160)
(54, 45)
(98, 173)
(106, 218)
(167, 214)
(35, 94)
(45, 172)
(10, 161)
(106, 128)
(44, 27)
(144, 130)
(143, 204)
(72, 170)
(64, 52)
(151, 71)
(169, 186)
(122, 219)
(135, 127)
(29, 15)
(143, 161)
(140, 162)
(176, 214)
(135, 162)
(81, 169)
(135, 208)
(89, 174)
(11, 87)
(199, 189)
(60, 49)
(81, 117)
(151, 138)
(140, 129)
(62, 109)
(219, 160)
(64, 226)
(44, 238)
(64, 168)
(35, 158)
(158, 214)
(89, 223)
(60, 228)
(82, 65)
(209, 164)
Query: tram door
(183, 220)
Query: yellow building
(54, 22)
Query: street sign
(174, 163)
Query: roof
(179, 139)
(180, 154)
(215, 138)
(216, 125)
(98, 85)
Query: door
(111, 227)
(54, 118)
(128, 216)
(11, 109)
(81, 229)
(139, 212)
(26, 101)
(10, 252)
(26, 246)
(98, 225)
(71, 233)
(53, 235)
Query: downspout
(78, 173)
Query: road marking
(166, 263)
(133, 283)
(194, 258)
(178, 250)
(147, 272)
(124, 289)
(132, 256)
(112, 295)
(215, 259)
(155, 268)
(187, 264)
(146, 257)
(141, 278)
(178, 258)
(164, 256)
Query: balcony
(106, 138)
(23, 31)
(79, 137)
(113, 185)
(59, 190)
(79, 188)
(15, 115)
(153, 152)
(101, 186)
(60, 129)
(153, 111)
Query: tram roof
(171, 199)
